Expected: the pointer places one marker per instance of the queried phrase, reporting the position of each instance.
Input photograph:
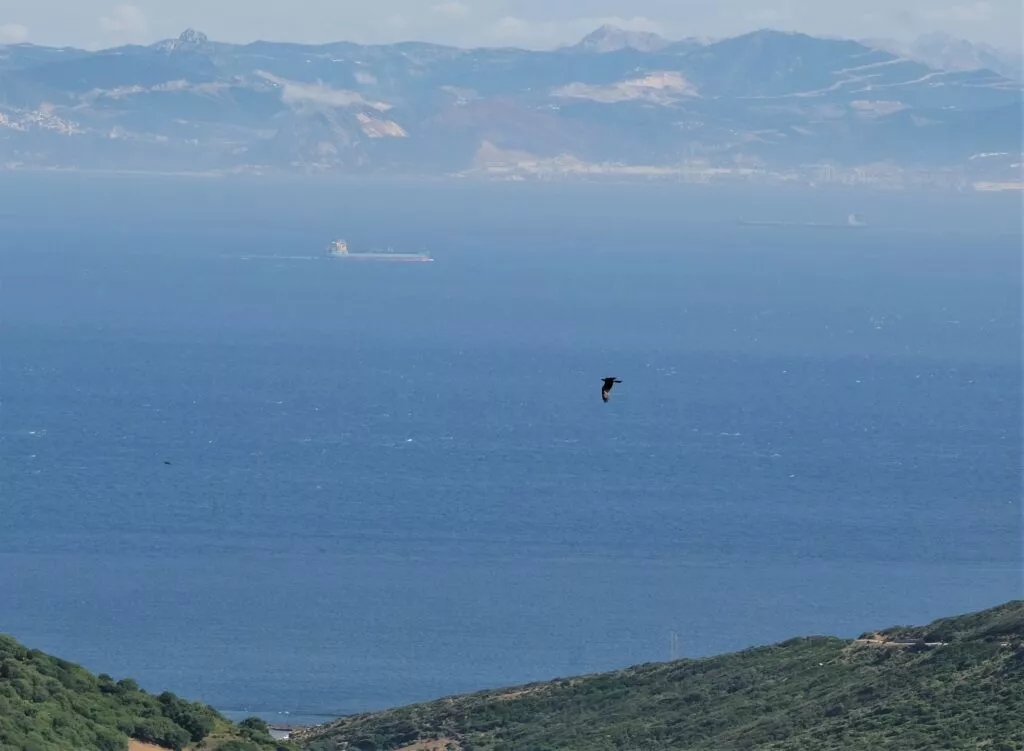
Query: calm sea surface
(388, 483)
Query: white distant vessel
(852, 220)
(339, 249)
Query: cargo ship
(339, 249)
(852, 221)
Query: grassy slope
(813, 694)
(48, 704)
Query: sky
(535, 24)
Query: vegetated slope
(955, 684)
(49, 704)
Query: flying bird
(606, 389)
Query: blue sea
(298, 487)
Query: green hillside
(957, 683)
(48, 704)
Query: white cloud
(296, 92)
(451, 8)
(972, 13)
(13, 33)
(126, 21)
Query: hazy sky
(527, 23)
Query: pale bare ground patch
(438, 744)
(880, 640)
(516, 694)
(140, 746)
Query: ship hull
(391, 258)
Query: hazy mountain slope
(944, 52)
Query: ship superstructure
(337, 248)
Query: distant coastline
(627, 176)
(767, 106)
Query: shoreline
(626, 175)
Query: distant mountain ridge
(612, 39)
(763, 102)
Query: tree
(255, 724)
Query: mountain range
(760, 102)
